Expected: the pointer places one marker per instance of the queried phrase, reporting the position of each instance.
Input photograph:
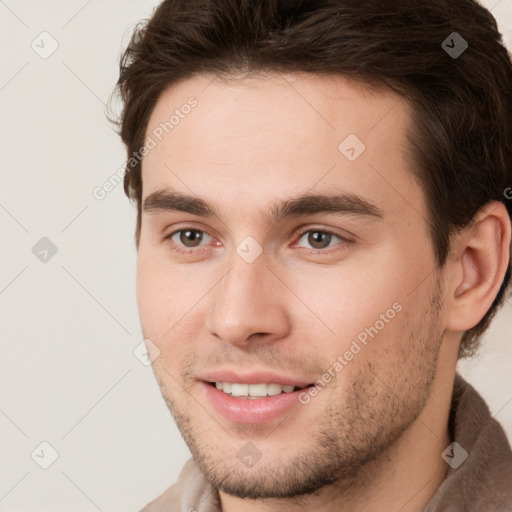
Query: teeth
(253, 390)
(239, 390)
(258, 390)
(274, 389)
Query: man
(323, 230)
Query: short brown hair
(461, 132)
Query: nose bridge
(246, 303)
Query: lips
(231, 395)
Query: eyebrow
(342, 203)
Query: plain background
(69, 326)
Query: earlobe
(484, 249)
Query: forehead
(268, 135)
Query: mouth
(257, 403)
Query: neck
(403, 477)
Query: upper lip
(253, 377)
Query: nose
(248, 304)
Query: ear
(480, 257)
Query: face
(291, 294)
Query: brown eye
(187, 239)
(320, 239)
(190, 237)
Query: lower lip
(253, 411)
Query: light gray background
(69, 326)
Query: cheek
(149, 293)
(365, 309)
(168, 301)
(341, 302)
(160, 287)
(157, 296)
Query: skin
(372, 438)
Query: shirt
(478, 482)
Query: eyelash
(299, 234)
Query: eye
(320, 239)
(188, 238)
